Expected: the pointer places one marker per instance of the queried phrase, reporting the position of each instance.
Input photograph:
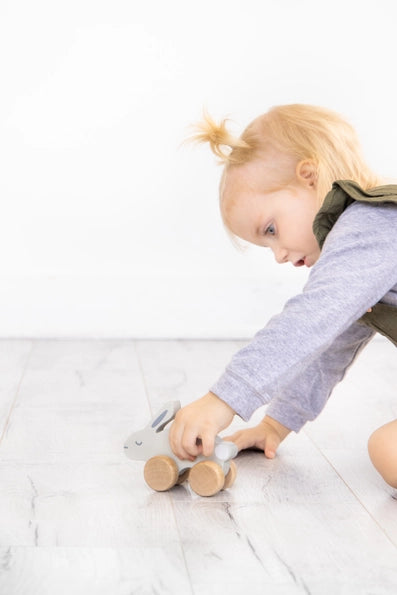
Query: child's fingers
(201, 420)
(183, 444)
(189, 446)
(244, 439)
(259, 438)
(271, 445)
(208, 443)
(238, 439)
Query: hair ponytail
(228, 148)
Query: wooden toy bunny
(206, 475)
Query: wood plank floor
(76, 516)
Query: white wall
(109, 226)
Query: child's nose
(281, 255)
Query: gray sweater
(303, 352)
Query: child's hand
(266, 436)
(196, 425)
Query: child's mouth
(300, 263)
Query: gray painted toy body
(153, 440)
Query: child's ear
(306, 172)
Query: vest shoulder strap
(342, 195)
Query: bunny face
(136, 446)
(152, 440)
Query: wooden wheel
(183, 477)
(206, 478)
(161, 473)
(230, 475)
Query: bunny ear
(166, 414)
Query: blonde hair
(304, 132)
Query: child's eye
(270, 230)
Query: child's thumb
(271, 446)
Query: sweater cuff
(241, 397)
(286, 415)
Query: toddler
(295, 182)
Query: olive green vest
(382, 317)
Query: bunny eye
(138, 443)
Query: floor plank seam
(142, 373)
(364, 507)
(14, 400)
(181, 546)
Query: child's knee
(382, 448)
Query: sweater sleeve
(356, 269)
(304, 399)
